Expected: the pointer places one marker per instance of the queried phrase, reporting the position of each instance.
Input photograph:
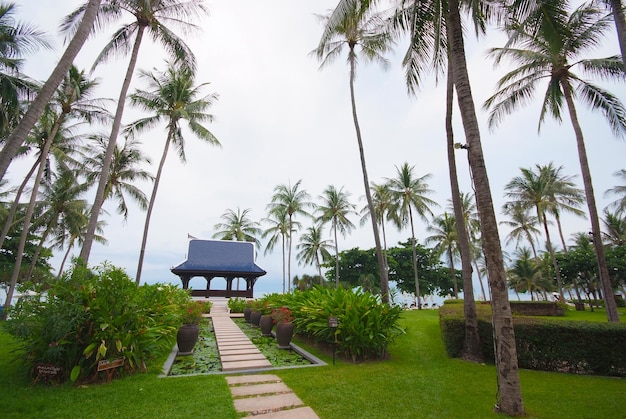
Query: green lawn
(419, 381)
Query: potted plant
(284, 326)
(187, 335)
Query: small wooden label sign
(108, 364)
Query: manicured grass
(419, 381)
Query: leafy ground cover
(418, 381)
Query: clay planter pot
(284, 333)
(246, 314)
(266, 323)
(255, 318)
(186, 338)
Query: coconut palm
(548, 53)
(289, 201)
(534, 189)
(352, 24)
(173, 98)
(154, 17)
(620, 190)
(509, 388)
(525, 274)
(565, 195)
(16, 40)
(313, 249)
(71, 230)
(614, 228)
(126, 168)
(80, 32)
(279, 228)
(445, 237)
(381, 198)
(335, 208)
(237, 226)
(522, 224)
(61, 199)
(409, 194)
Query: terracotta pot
(255, 318)
(246, 314)
(266, 323)
(284, 333)
(186, 338)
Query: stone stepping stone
(251, 379)
(242, 357)
(304, 412)
(257, 389)
(245, 365)
(271, 402)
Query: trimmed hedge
(577, 347)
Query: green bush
(90, 316)
(237, 305)
(365, 329)
(543, 344)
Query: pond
(205, 358)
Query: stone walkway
(259, 395)
(266, 396)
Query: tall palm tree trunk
(290, 237)
(560, 230)
(509, 388)
(620, 26)
(18, 136)
(336, 255)
(26, 226)
(155, 188)
(283, 244)
(16, 203)
(108, 157)
(471, 344)
(605, 280)
(65, 256)
(415, 273)
(557, 271)
(384, 274)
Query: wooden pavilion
(222, 259)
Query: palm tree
(61, 200)
(522, 224)
(564, 194)
(445, 237)
(620, 190)
(71, 231)
(381, 197)
(547, 53)
(336, 208)
(237, 226)
(36, 108)
(288, 201)
(279, 229)
(313, 249)
(535, 190)
(150, 16)
(352, 24)
(509, 388)
(525, 274)
(16, 40)
(614, 228)
(173, 98)
(409, 193)
(126, 168)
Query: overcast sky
(280, 119)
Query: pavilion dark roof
(219, 258)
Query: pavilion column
(185, 280)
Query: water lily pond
(205, 358)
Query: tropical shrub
(237, 305)
(91, 316)
(366, 326)
(578, 347)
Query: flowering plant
(192, 312)
(282, 315)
